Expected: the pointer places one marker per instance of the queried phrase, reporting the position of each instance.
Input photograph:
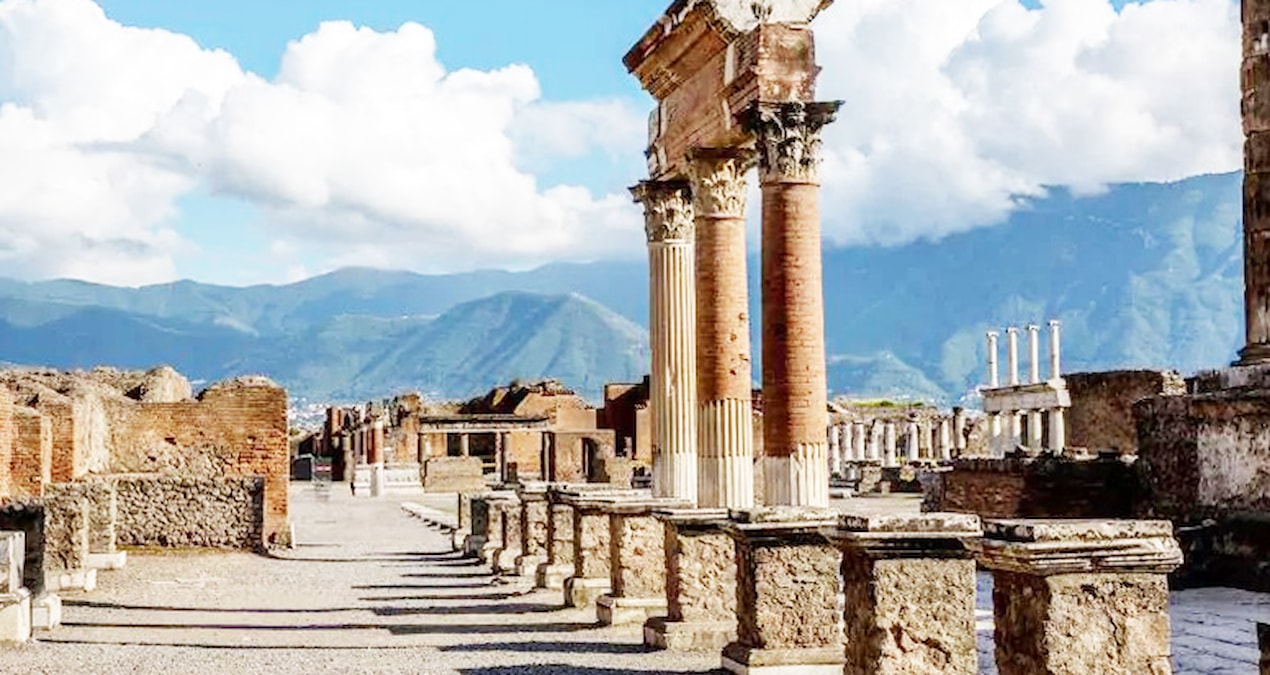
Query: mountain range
(1141, 275)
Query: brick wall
(1101, 416)
(30, 465)
(6, 442)
(524, 449)
(235, 429)
(1043, 487)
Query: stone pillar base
(504, 560)
(685, 636)
(611, 611)
(743, 660)
(108, 561)
(472, 545)
(46, 612)
(376, 480)
(71, 580)
(527, 565)
(489, 552)
(584, 591)
(552, 576)
(15, 617)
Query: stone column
(474, 544)
(700, 583)
(724, 378)
(789, 612)
(945, 441)
(994, 376)
(559, 550)
(911, 448)
(876, 432)
(1082, 596)
(1035, 430)
(591, 550)
(909, 586)
(794, 382)
(1056, 350)
(503, 560)
(375, 457)
(668, 222)
(835, 449)
(1058, 430)
(1256, 125)
(534, 514)
(15, 598)
(1012, 347)
(465, 445)
(890, 457)
(1034, 353)
(848, 446)
(959, 429)
(495, 509)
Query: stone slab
(46, 611)
(611, 611)
(71, 580)
(552, 576)
(108, 561)
(688, 636)
(583, 592)
(15, 617)
(1042, 530)
(527, 565)
(744, 660)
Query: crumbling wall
(524, 449)
(236, 428)
(1039, 487)
(190, 512)
(1101, 416)
(66, 526)
(31, 462)
(6, 442)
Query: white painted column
(1035, 430)
(1055, 350)
(835, 449)
(1034, 353)
(912, 450)
(959, 429)
(945, 440)
(1058, 430)
(1012, 354)
(889, 458)
(994, 375)
(668, 224)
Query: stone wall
(452, 474)
(31, 461)
(66, 516)
(1041, 487)
(236, 428)
(6, 441)
(1101, 416)
(186, 512)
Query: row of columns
(1034, 353)
(1006, 428)
(880, 441)
(701, 364)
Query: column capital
(668, 216)
(718, 180)
(789, 138)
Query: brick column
(1080, 596)
(724, 378)
(1256, 122)
(796, 463)
(909, 585)
(668, 222)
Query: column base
(613, 611)
(472, 545)
(743, 660)
(71, 580)
(688, 636)
(15, 617)
(552, 576)
(489, 552)
(527, 565)
(583, 592)
(376, 480)
(504, 560)
(108, 561)
(46, 612)
(1254, 355)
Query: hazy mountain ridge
(1143, 275)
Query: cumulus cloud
(958, 112)
(363, 149)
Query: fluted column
(1256, 211)
(668, 222)
(724, 378)
(796, 469)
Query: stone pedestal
(559, 548)
(479, 524)
(700, 583)
(376, 480)
(533, 529)
(503, 560)
(46, 611)
(591, 553)
(496, 511)
(15, 599)
(103, 504)
(637, 564)
(789, 611)
(909, 586)
(1073, 597)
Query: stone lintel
(779, 522)
(1049, 547)
(643, 506)
(928, 535)
(1039, 396)
(692, 518)
(595, 499)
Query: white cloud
(958, 111)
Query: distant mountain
(1143, 275)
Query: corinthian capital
(789, 138)
(718, 180)
(667, 210)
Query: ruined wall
(524, 449)
(28, 518)
(235, 429)
(1041, 487)
(452, 474)
(189, 512)
(30, 465)
(6, 441)
(66, 526)
(1101, 416)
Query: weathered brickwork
(185, 512)
(1040, 487)
(1101, 416)
(235, 429)
(6, 442)
(30, 464)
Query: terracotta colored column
(796, 463)
(724, 380)
(668, 222)
(1256, 119)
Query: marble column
(724, 379)
(1012, 354)
(1256, 206)
(796, 467)
(848, 446)
(835, 449)
(668, 222)
(876, 431)
(1058, 430)
(1056, 350)
(912, 451)
(890, 458)
(945, 440)
(375, 457)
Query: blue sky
(134, 156)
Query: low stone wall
(1101, 416)
(452, 474)
(1040, 487)
(176, 512)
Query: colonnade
(1026, 414)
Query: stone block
(46, 611)
(700, 583)
(591, 535)
(12, 562)
(789, 607)
(452, 474)
(637, 564)
(108, 561)
(909, 587)
(15, 617)
(534, 514)
(1080, 596)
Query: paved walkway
(370, 589)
